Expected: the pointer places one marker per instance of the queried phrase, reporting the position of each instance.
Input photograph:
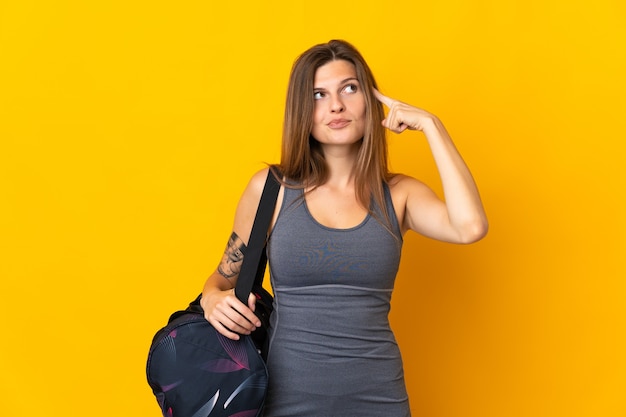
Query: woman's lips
(338, 123)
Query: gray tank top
(332, 352)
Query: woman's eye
(318, 95)
(350, 88)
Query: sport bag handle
(256, 244)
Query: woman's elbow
(474, 231)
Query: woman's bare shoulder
(254, 189)
(401, 183)
(258, 178)
(248, 203)
(404, 188)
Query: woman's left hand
(402, 116)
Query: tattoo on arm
(233, 257)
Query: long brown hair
(302, 160)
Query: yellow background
(128, 130)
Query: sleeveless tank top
(332, 351)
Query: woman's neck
(340, 162)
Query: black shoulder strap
(255, 249)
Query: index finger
(383, 98)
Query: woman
(335, 240)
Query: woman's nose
(336, 106)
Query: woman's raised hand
(402, 116)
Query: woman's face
(339, 114)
